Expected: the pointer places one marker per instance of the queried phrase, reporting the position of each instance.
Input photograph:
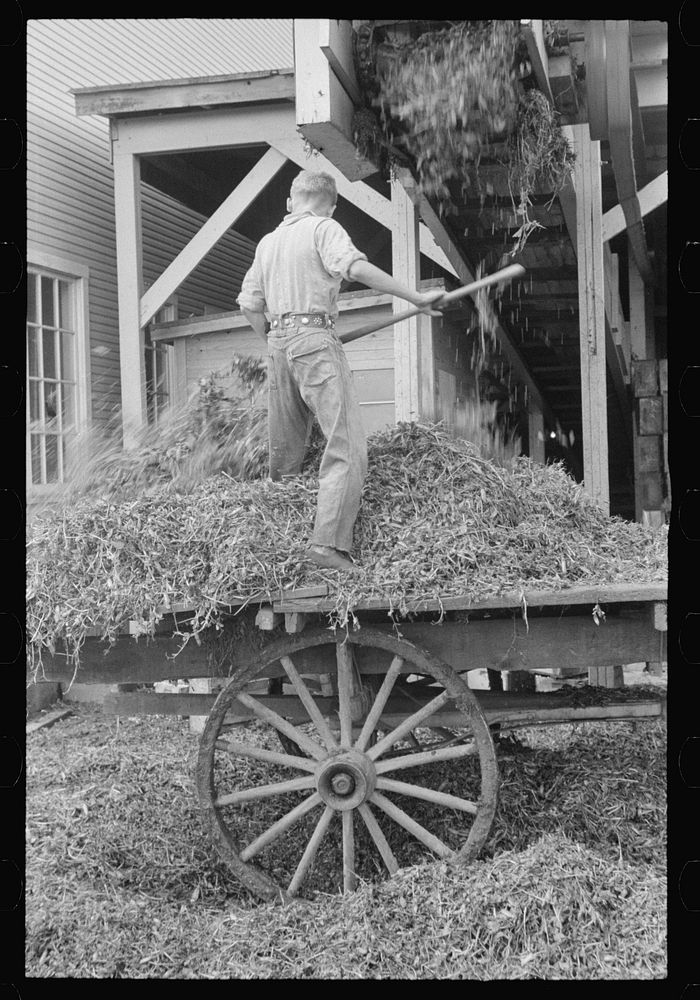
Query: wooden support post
(127, 199)
(294, 622)
(202, 685)
(405, 250)
(642, 338)
(591, 315)
(535, 427)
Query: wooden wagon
(315, 726)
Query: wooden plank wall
(371, 359)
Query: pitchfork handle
(506, 274)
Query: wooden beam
(132, 98)
(639, 150)
(613, 594)
(652, 85)
(324, 111)
(127, 201)
(641, 312)
(654, 194)
(405, 255)
(620, 138)
(44, 721)
(533, 33)
(335, 41)
(211, 232)
(619, 335)
(220, 128)
(592, 315)
(348, 302)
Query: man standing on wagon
(295, 277)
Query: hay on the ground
(122, 882)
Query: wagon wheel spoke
(414, 828)
(263, 754)
(379, 702)
(349, 878)
(307, 699)
(428, 794)
(412, 722)
(280, 827)
(346, 764)
(379, 839)
(309, 854)
(436, 756)
(266, 791)
(270, 716)
(343, 652)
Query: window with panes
(52, 331)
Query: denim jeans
(309, 376)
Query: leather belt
(303, 319)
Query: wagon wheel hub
(346, 780)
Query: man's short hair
(313, 184)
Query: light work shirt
(299, 266)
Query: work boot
(329, 558)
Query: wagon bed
(350, 713)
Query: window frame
(167, 313)
(78, 274)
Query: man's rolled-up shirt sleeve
(252, 294)
(336, 250)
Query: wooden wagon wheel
(252, 793)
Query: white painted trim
(211, 232)
(219, 128)
(68, 267)
(651, 196)
(84, 403)
(221, 322)
(405, 253)
(54, 262)
(127, 198)
(79, 273)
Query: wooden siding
(209, 353)
(106, 51)
(70, 188)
